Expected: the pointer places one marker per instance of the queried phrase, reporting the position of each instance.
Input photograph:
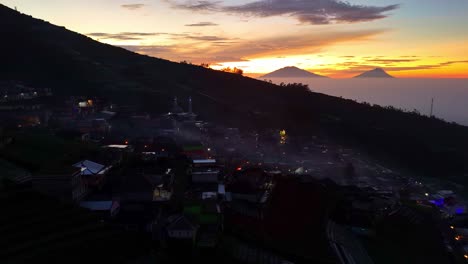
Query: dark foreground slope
(42, 54)
(38, 229)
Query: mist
(450, 95)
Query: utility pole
(432, 107)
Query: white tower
(190, 110)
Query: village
(198, 190)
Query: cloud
(133, 6)
(123, 35)
(202, 24)
(195, 5)
(305, 11)
(355, 67)
(301, 43)
(390, 61)
(208, 38)
(174, 36)
(427, 66)
(178, 52)
(153, 50)
(447, 63)
(213, 49)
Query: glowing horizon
(328, 37)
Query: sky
(340, 39)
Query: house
(181, 227)
(92, 173)
(196, 151)
(207, 213)
(248, 192)
(105, 208)
(205, 171)
(65, 184)
(251, 185)
(119, 148)
(205, 176)
(161, 194)
(136, 216)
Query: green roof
(202, 217)
(194, 210)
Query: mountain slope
(44, 55)
(291, 71)
(375, 73)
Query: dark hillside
(41, 54)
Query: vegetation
(233, 70)
(38, 151)
(300, 86)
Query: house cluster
(11, 91)
(151, 174)
(183, 182)
(248, 192)
(74, 182)
(23, 106)
(360, 208)
(200, 220)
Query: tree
(205, 65)
(295, 86)
(233, 70)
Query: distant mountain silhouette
(375, 73)
(291, 71)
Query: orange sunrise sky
(409, 39)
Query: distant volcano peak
(375, 73)
(291, 71)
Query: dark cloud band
(306, 11)
(202, 24)
(133, 6)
